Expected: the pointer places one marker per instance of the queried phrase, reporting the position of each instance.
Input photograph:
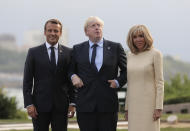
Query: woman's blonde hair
(139, 29)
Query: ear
(86, 32)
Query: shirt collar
(49, 45)
(100, 43)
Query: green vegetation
(175, 129)
(14, 121)
(173, 66)
(8, 108)
(181, 117)
(177, 90)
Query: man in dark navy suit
(94, 72)
(48, 93)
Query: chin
(52, 42)
(98, 37)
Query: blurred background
(22, 23)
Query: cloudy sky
(168, 20)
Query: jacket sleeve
(122, 63)
(159, 80)
(72, 67)
(28, 79)
(72, 91)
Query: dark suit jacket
(96, 94)
(43, 87)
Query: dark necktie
(94, 56)
(52, 58)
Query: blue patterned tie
(94, 56)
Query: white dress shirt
(99, 53)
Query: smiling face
(139, 41)
(94, 30)
(53, 33)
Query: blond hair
(139, 29)
(92, 19)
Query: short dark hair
(53, 21)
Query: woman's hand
(157, 114)
(126, 115)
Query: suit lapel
(45, 55)
(60, 60)
(106, 53)
(86, 52)
(86, 55)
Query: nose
(138, 38)
(53, 33)
(97, 26)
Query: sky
(167, 20)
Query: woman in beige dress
(144, 99)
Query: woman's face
(138, 40)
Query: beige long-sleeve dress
(145, 89)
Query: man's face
(53, 33)
(94, 31)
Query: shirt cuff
(72, 104)
(117, 83)
(72, 76)
(29, 105)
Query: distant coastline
(11, 80)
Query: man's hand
(77, 82)
(71, 111)
(112, 83)
(32, 112)
(157, 114)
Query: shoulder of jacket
(112, 42)
(36, 47)
(65, 47)
(81, 44)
